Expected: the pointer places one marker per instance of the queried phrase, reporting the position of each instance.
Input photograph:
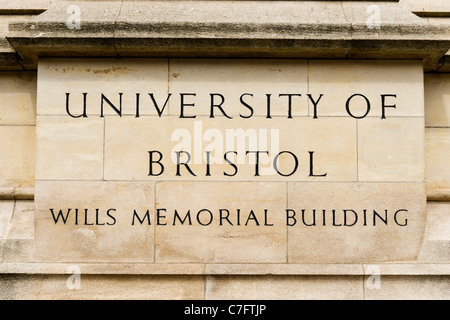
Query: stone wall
(27, 272)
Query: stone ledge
(17, 193)
(28, 194)
(428, 8)
(409, 269)
(292, 29)
(438, 195)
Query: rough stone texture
(426, 8)
(62, 287)
(9, 59)
(438, 224)
(146, 134)
(437, 135)
(380, 153)
(234, 77)
(436, 247)
(138, 75)
(17, 133)
(225, 28)
(22, 223)
(223, 287)
(283, 288)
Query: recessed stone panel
(204, 161)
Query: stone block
(437, 100)
(18, 97)
(69, 149)
(391, 150)
(17, 156)
(233, 78)
(437, 153)
(239, 237)
(96, 287)
(354, 233)
(339, 80)
(284, 288)
(102, 230)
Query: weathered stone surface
(437, 155)
(247, 240)
(441, 20)
(229, 29)
(407, 269)
(19, 251)
(283, 287)
(435, 251)
(370, 163)
(62, 287)
(9, 59)
(73, 147)
(20, 6)
(369, 149)
(411, 288)
(248, 269)
(436, 247)
(93, 238)
(425, 8)
(341, 79)
(232, 78)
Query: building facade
(122, 174)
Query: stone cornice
(402, 269)
(241, 29)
